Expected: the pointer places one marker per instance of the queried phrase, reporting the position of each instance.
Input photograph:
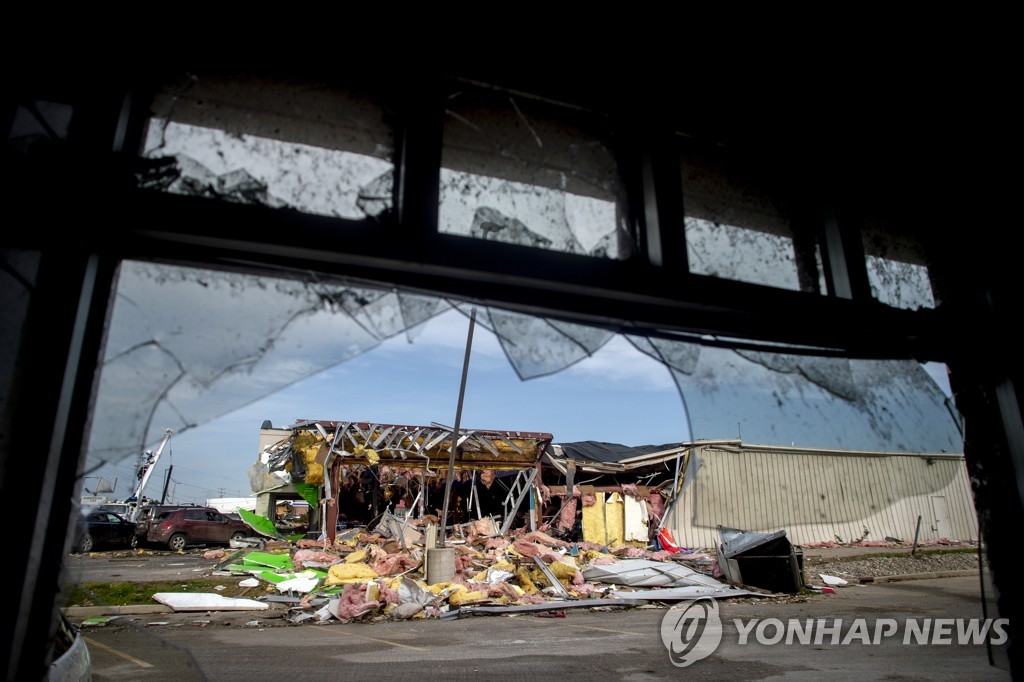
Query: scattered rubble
(359, 579)
(871, 567)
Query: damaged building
(352, 473)
(610, 494)
(816, 495)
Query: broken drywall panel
(204, 601)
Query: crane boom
(147, 462)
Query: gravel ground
(881, 566)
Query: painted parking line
(382, 641)
(590, 627)
(128, 657)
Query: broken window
(522, 171)
(739, 224)
(315, 149)
(897, 267)
(794, 398)
(186, 345)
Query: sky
(617, 395)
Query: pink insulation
(353, 603)
(388, 595)
(393, 564)
(528, 549)
(316, 556)
(655, 506)
(496, 543)
(544, 538)
(545, 492)
(567, 517)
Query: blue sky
(617, 395)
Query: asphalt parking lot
(617, 644)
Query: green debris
(261, 524)
(308, 492)
(279, 562)
(272, 577)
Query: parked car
(146, 515)
(178, 528)
(102, 528)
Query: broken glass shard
(901, 285)
(519, 171)
(248, 169)
(306, 146)
(739, 254)
(737, 222)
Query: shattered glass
(738, 225)
(537, 346)
(901, 285)
(520, 171)
(740, 254)
(312, 149)
(185, 346)
(776, 398)
(897, 267)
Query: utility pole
(167, 481)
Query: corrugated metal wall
(817, 496)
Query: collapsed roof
(313, 445)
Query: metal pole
(916, 533)
(455, 430)
(167, 482)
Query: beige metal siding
(819, 496)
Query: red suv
(194, 525)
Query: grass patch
(127, 593)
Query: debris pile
(369, 575)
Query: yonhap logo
(691, 631)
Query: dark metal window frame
(90, 175)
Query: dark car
(196, 525)
(102, 528)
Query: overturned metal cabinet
(765, 560)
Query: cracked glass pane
(738, 224)
(778, 398)
(897, 267)
(521, 171)
(186, 345)
(901, 285)
(537, 346)
(312, 148)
